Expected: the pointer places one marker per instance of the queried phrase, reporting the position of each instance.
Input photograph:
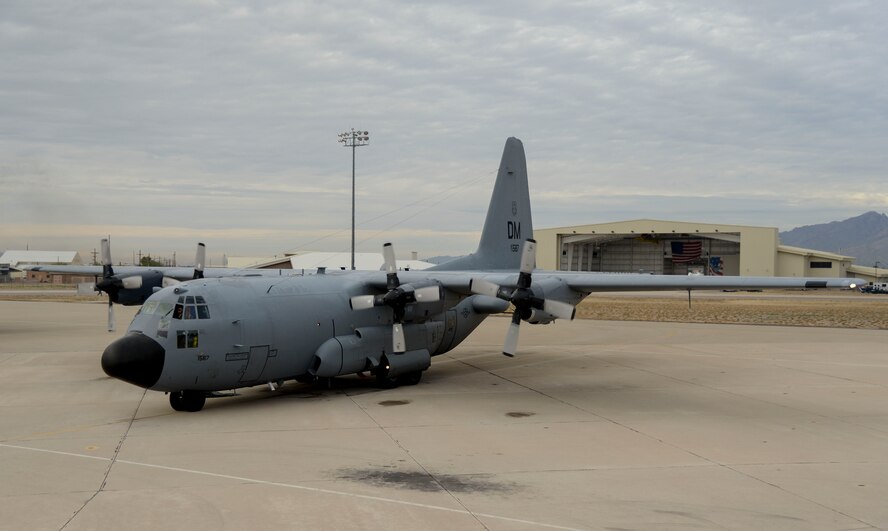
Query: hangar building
(680, 248)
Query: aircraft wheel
(176, 401)
(410, 378)
(387, 382)
(188, 400)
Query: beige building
(680, 248)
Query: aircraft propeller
(522, 297)
(397, 297)
(112, 284)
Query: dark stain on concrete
(519, 414)
(389, 403)
(421, 481)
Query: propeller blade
(107, 270)
(528, 256)
(479, 286)
(110, 315)
(168, 281)
(200, 258)
(361, 302)
(560, 310)
(511, 344)
(106, 252)
(388, 254)
(134, 282)
(428, 294)
(399, 344)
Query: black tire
(176, 401)
(387, 382)
(410, 378)
(191, 401)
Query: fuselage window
(178, 311)
(203, 312)
(190, 313)
(186, 339)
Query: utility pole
(353, 139)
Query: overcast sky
(167, 123)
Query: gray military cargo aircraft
(207, 335)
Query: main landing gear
(390, 382)
(188, 400)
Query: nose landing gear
(188, 400)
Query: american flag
(684, 252)
(716, 266)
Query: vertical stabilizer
(508, 221)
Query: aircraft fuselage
(220, 334)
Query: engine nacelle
(420, 311)
(133, 289)
(540, 317)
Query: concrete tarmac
(594, 425)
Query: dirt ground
(802, 309)
(784, 308)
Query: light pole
(353, 139)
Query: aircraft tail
(508, 222)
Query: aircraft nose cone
(134, 358)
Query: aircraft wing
(582, 284)
(178, 273)
(595, 282)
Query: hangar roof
(13, 258)
(657, 225)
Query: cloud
(207, 117)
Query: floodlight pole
(353, 139)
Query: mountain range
(864, 237)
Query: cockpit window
(163, 324)
(190, 310)
(155, 308)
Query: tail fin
(508, 221)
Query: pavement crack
(111, 462)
